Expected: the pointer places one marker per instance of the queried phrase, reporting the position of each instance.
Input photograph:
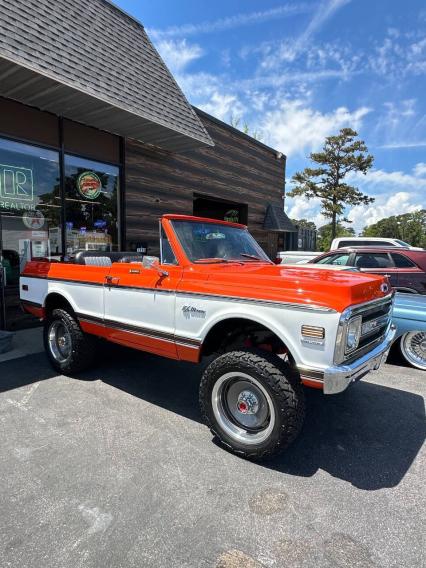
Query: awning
(276, 220)
(92, 63)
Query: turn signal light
(313, 331)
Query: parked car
(406, 268)
(409, 315)
(342, 242)
(295, 256)
(213, 292)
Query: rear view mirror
(153, 262)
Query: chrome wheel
(243, 408)
(59, 340)
(413, 348)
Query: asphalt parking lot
(114, 469)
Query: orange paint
(312, 384)
(301, 285)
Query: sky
(298, 71)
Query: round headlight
(353, 333)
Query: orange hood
(304, 285)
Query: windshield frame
(263, 257)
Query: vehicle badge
(384, 287)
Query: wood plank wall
(235, 169)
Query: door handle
(112, 280)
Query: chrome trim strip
(146, 332)
(274, 303)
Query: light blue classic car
(409, 315)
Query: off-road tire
(82, 354)
(279, 380)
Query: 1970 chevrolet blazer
(271, 329)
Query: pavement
(114, 469)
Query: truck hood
(301, 284)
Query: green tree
(341, 154)
(325, 235)
(304, 224)
(409, 227)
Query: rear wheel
(413, 348)
(253, 402)
(69, 349)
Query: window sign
(16, 184)
(89, 185)
(91, 193)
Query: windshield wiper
(254, 257)
(210, 260)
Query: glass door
(30, 224)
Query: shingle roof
(277, 220)
(91, 62)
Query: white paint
(163, 312)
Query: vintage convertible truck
(269, 330)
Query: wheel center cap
(423, 345)
(247, 402)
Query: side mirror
(153, 263)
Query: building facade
(97, 142)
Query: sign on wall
(16, 188)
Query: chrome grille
(376, 317)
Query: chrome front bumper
(336, 379)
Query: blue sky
(298, 71)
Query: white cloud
(385, 206)
(223, 106)
(381, 181)
(419, 169)
(403, 144)
(400, 55)
(395, 193)
(297, 129)
(232, 22)
(178, 54)
(324, 12)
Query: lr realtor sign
(16, 188)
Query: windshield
(211, 242)
(402, 243)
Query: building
(97, 141)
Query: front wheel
(253, 403)
(69, 349)
(413, 348)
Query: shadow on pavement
(24, 371)
(368, 436)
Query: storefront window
(30, 205)
(91, 196)
(30, 218)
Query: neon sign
(17, 187)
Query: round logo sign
(89, 185)
(33, 220)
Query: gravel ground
(114, 469)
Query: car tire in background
(412, 346)
(253, 402)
